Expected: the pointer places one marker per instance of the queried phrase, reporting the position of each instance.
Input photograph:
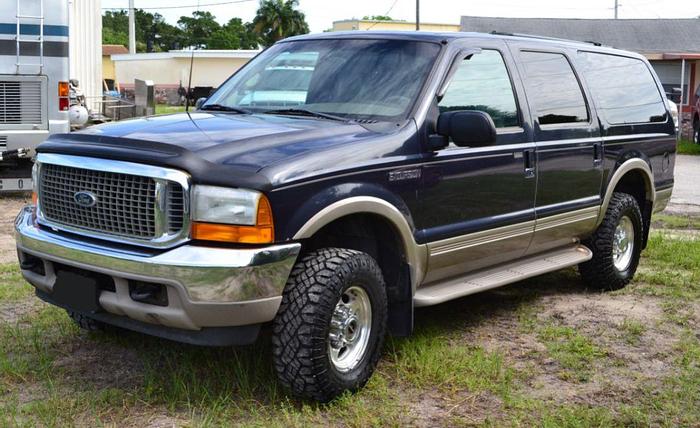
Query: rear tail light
(63, 96)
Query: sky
(320, 14)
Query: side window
(624, 89)
(554, 89)
(482, 83)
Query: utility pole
(417, 15)
(132, 28)
(616, 7)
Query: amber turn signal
(262, 233)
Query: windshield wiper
(221, 107)
(308, 113)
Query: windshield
(354, 79)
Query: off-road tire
(300, 336)
(696, 132)
(86, 323)
(600, 272)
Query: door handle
(529, 157)
(597, 154)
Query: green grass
(12, 286)
(166, 109)
(686, 147)
(676, 222)
(52, 374)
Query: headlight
(224, 205)
(231, 215)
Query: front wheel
(329, 331)
(616, 245)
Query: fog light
(148, 293)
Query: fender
(628, 166)
(416, 254)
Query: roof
(204, 53)
(108, 50)
(640, 35)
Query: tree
(377, 18)
(234, 35)
(152, 32)
(278, 19)
(199, 29)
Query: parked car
(673, 109)
(419, 168)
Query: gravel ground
(10, 205)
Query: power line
(192, 6)
(386, 14)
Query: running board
(476, 282)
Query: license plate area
(79, 290)
(15, 184)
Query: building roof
(108, 50)
(203, 53)
(640, 35)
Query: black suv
(338, 181)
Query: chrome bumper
(206, 286)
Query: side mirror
(200, 102)
(467, 128)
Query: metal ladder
(40, 39)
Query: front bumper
(207, 287)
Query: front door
(478, 202)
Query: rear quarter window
(623, 88)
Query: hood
(248, 141)
(225, 149)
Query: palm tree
(278, 19)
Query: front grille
(3, 143)
(20, 102)
(125, 203)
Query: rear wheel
(616, 245)
(696, 132)
(329, 332)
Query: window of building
(553, 88)
(482, 83)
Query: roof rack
(555, 39)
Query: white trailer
(34, 83)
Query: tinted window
(624, 89)
(554, 91)
(482, 83)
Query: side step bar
(433, 294)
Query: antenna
(189, 85)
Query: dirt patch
(12, 313)
(9, 208)
(99, 364)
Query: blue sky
(321, 13)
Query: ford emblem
(85, 199)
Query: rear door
(569, 146)
(478, 202)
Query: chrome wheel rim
(623, 244)
(351, 325)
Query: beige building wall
(108, 71)
(365, 25)
(175, 70)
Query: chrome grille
(3, 143)
(125, 206)
(20, 102)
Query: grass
(463, 366)
(686, 147)
(166, 109)
(676, 222)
